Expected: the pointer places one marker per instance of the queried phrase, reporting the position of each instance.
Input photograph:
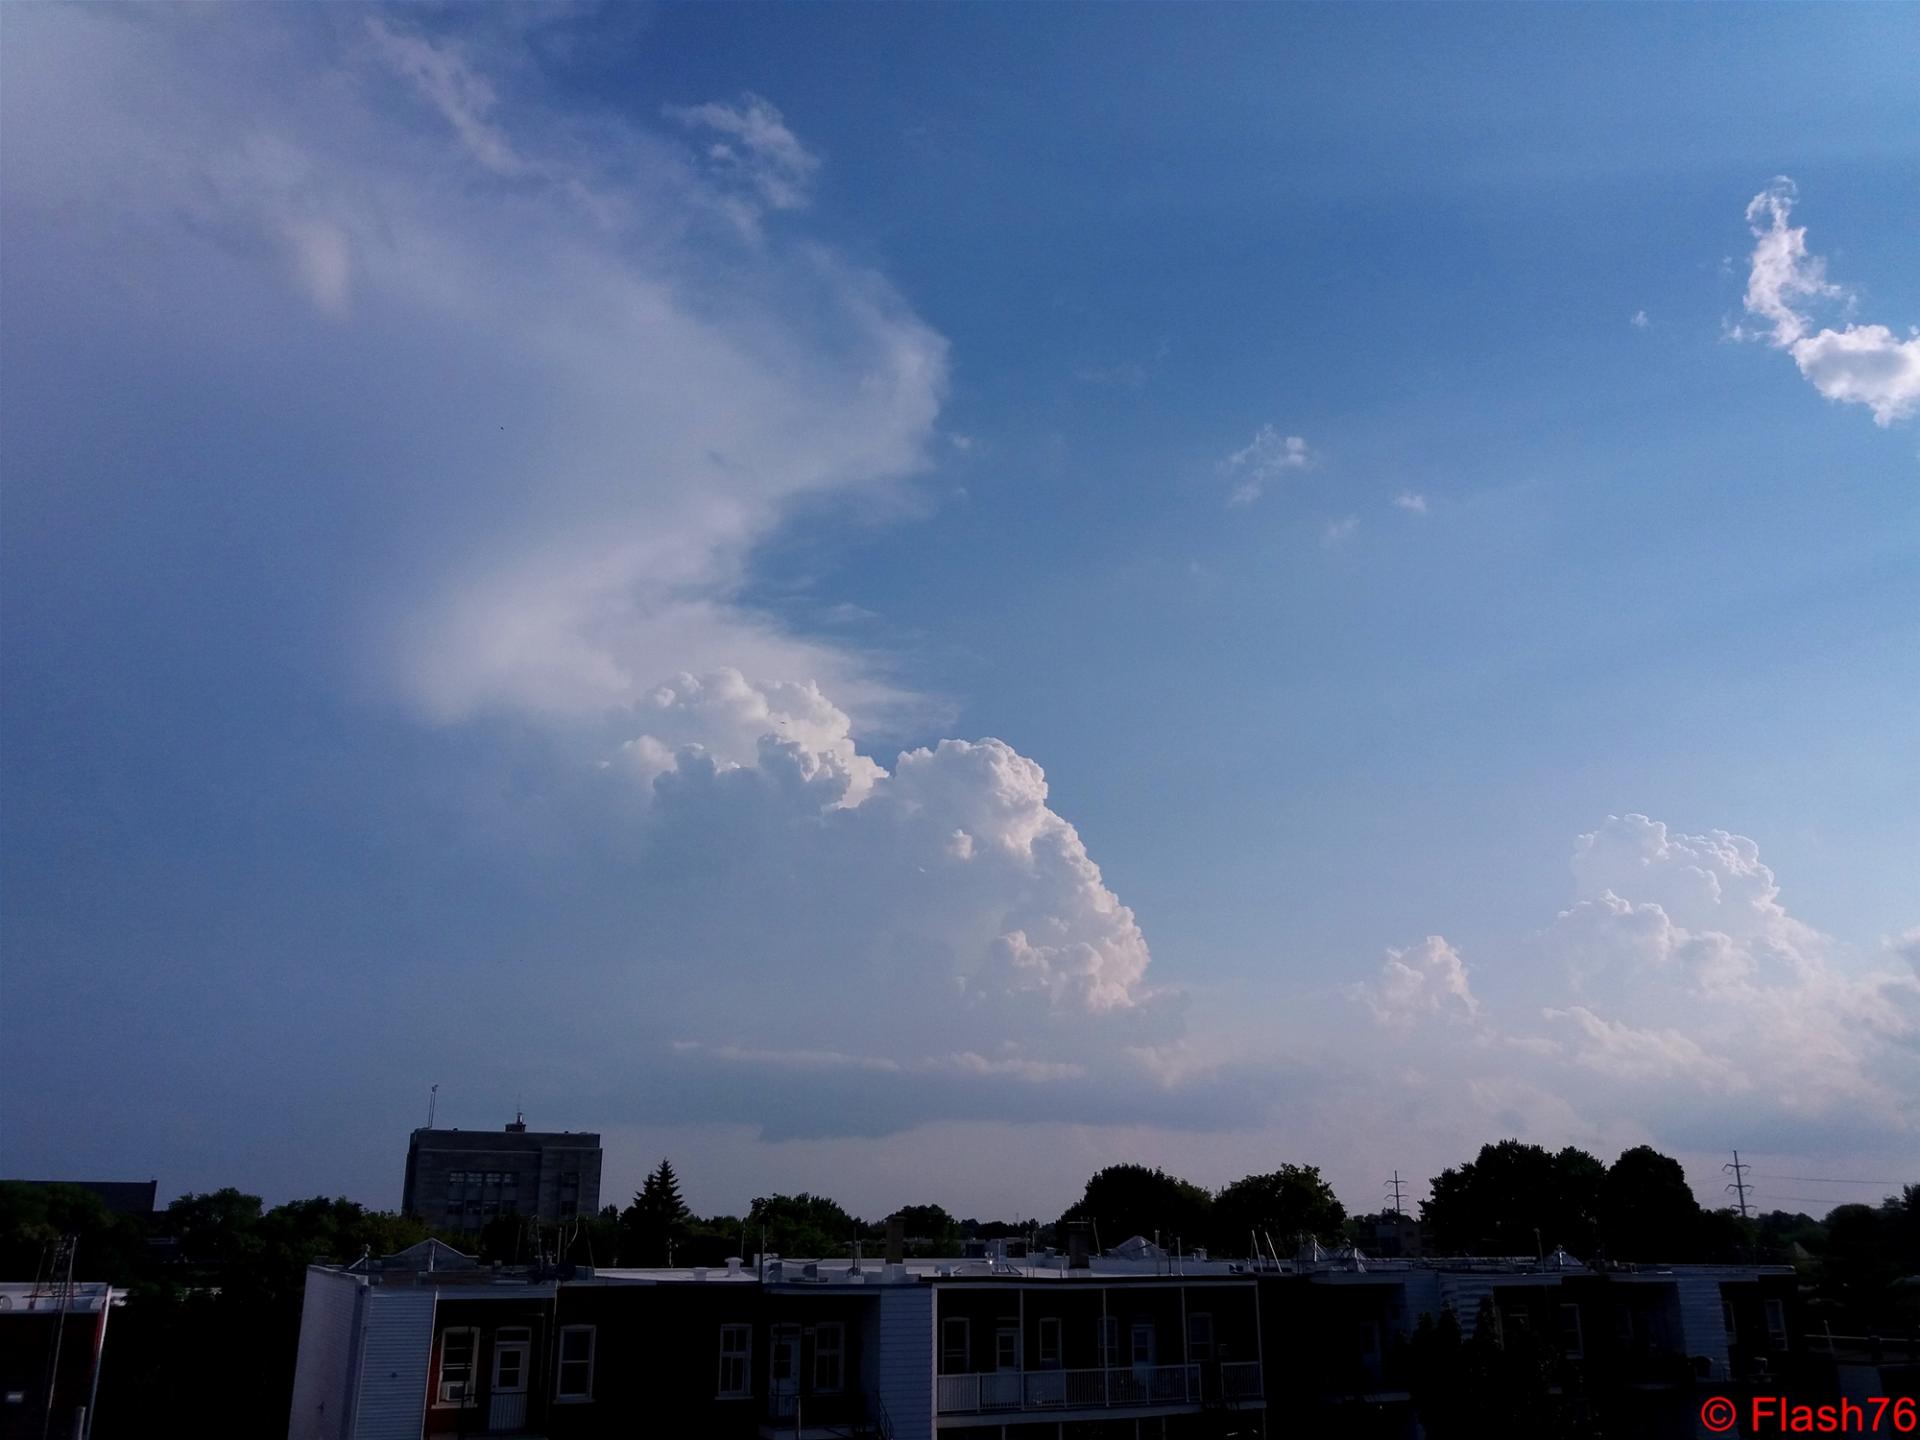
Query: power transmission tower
(1739, 1182)
(1394, 1185)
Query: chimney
(519, 1125)
(896, 1240)
(733, 1264)
(1077, 1246)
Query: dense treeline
(210, 1334)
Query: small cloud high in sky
(914, 627)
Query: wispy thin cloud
(1640, 320)
(1412, 501)
(1339, 531)
(754, 147)
(1263, 460)
(1859, 365)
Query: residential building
(1645, 1345)
(53, 1339)
(461, 1179)
(988, 1347)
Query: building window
(575, 1380)
(455, 1386)
(1777, 1324)
(1006, 1344)
(1141, 1350)
(783, 1359)
(1623, 1323)
(736, 1356)
(955, 1342)
(1570, 1340)
(1727, 1322)
(1109, 1340)
(1200, 1336)
(829, 1358)
(1050, 1342)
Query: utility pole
(1394, 1185)
(1739, 1182)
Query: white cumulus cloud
(1866, 365)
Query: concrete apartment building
(461, 1179)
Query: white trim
(561, 1395)
(1203, 1349)
(1050, 1356)
(744, 1354)
(1776, 1312)
(838, 1350)
(965, 1350)
(470, 1397)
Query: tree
(1501, 1382)
(657, 1220)
(1127, 1200)
(928, 1229)
(803, 1224)
(1513, 1199)
(1284, 1204)
(1647, 1209)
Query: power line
(1823, 1179)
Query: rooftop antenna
(1394, 1185)
(433, 1101)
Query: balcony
(1110, 1387)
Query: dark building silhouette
(121, 1197)
(461, 1179)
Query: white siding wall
(1703, 1326)
(393, 1363)
(323, 1377)
(905, 1359)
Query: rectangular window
(1777, 1324)
(829, 1358)
(1570, 1339)
(455, 1386)
(1141, 1350)
(1727, 1322)
(1623, 1323)
(1049, 1342)
(1006, 1346)
(736, 1357)
(1200, 1336)
(1109, 1340)
(955, 1342)
(575, 1380)
(783, 1360)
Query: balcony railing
(1116, 1385)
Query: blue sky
(1366, 457)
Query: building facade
(461, 1179)
(53, 1340)
(1640, 1348)
(988, 1348)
